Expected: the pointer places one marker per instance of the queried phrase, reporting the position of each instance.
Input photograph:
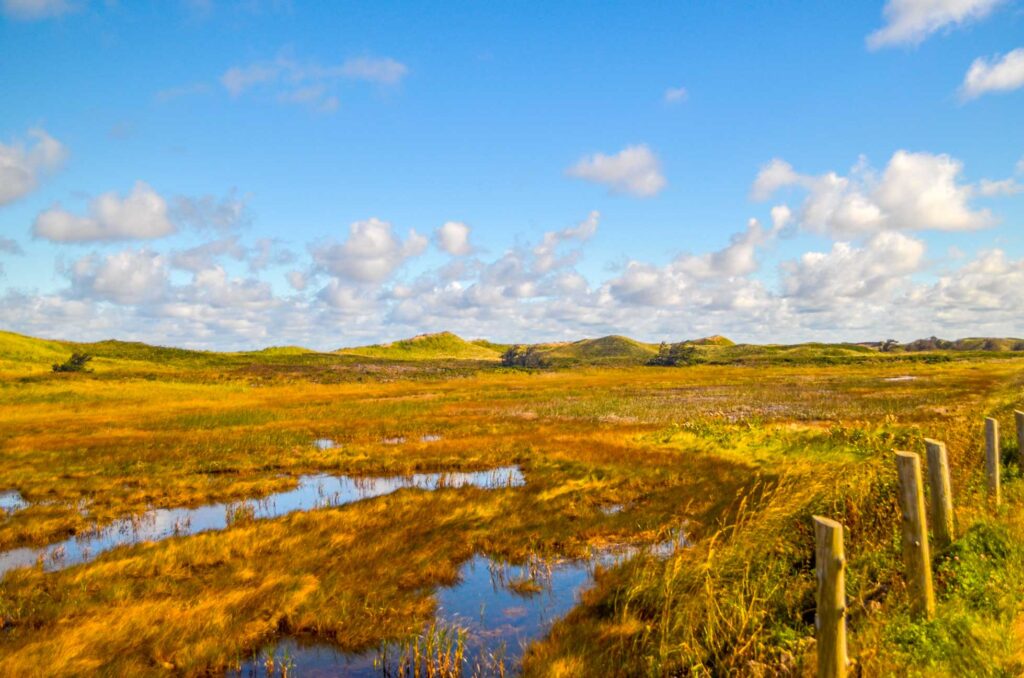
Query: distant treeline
(936, 344)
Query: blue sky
(294, 166)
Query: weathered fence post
(916, 556)
(830, 566)
(992, 458)
(942, 493)
(1019, 418)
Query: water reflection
(313, 491)
(501, 608)
(11, 501)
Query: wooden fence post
(942, 494)
(1019, 418)
(830, 620)
(992, 458)
(916, 556)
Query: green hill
(440, 346)
(604, 350)
(17, 348)
(713, 340)
(23, 353)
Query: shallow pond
(501, 608)
(11, 501)
(312, 491)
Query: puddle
(502, 608)
(430, 438)
(313, 491)
(11, 501)
(397, 440)
(901, 378)
(324, 444)
(498, 621)
(612, 509)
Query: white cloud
(267, 252)
(920, 191)
(237, 79)
(771, 177)
(127, 277)
(736, 259)
(350, 293)
(634, 170)
(545, 253)
(453, 238)
(782, 216)
(313, 96)
(21, 167)
(30, 10)
(998, 74)
(371, 254)
(212, 288)
(205, 256)
(990, 187)
(826, 280)
(141, 215)
(309, 83)
(987, 288)
(675, 95)
(297, 280)
(909, 22)
(207, 212)
(384, 71)
(713, 280)
(916, 191)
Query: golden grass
(740, 455)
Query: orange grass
(673, 446)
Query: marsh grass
(742, 456)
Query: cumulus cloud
(309, 83)
(865, 288)
(453, 238)
(909, 22)
(22, 166)
(31, 10)
(214, 288)
(776, 174)
(546, 252)
(141, 215)
(126, 277)
(998, 74)
(828, 279)
(714, 279)
(916, 191)
(989, 286)
(205, 256)
(782, 217)
(370, 254)
(634, 170)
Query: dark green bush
(76, 363)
